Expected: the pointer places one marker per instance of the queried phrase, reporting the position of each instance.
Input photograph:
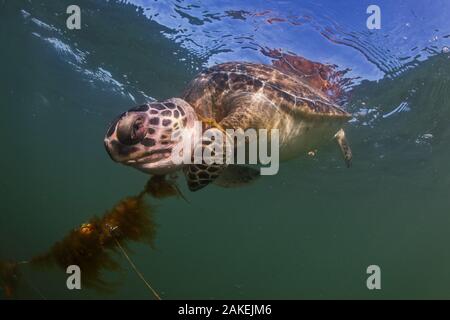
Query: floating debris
(424, 139)
(312, 153)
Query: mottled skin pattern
(144, 136)
(233, 95)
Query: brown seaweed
(9, 277)
(92, 245)
(159, 187)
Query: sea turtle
(229, 95)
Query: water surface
(308, 232)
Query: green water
(308, 232)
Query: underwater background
(308, 232)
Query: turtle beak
(144, 137)
(108, 150)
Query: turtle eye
(137, 129)
(131, 130)
(137, 125)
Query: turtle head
(144, 136)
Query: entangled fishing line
(90, 245)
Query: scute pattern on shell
(288, 92)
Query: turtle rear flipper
(199, 176)
(345, 147)
(237, 176)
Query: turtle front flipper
(213, 160)
(345, 147)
